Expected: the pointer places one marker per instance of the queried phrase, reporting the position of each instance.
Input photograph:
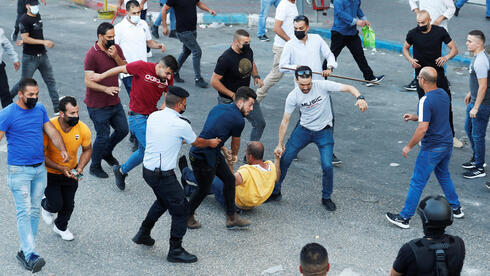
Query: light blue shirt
(165, 132)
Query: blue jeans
(216, 186)
(158, 21)
(436, 160)
(265, 5)
(29, 66)
(256, 119)
(190, 45)
(299, 139)
(137, 125)
(27, 185)
(476, 129)
(127, 83)
(103, 119)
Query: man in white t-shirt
(133, 36)
(315, 126)
(286, 11)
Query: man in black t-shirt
(186, 19)
(21, 10)
(233, 70)
(427, 40)
(34, 55)
(419, 256)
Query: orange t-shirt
(79, 135)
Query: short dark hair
(245, 93)
(66, 100)
(302, 18)
(313, 259)
(478, 34)
(256, 149)
(240, 32)
(302, 71)
(24, 82)
(103, 28)
(172, 100)
(132, 3)
(169, 61)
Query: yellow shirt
(257, 185)
(78, 136)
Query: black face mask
(245, 48)
(72, 121)
(109, 43)
(423, 28)
(183, 110)
(300, 34)
(30, 102)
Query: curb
(252, 19)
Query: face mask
(109, 43)
(34, 9)
(245, 48)
(423, 28)
(134, 19)
(300, 34)
(72, 121)
(30, 102)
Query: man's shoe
(110, 159)
(263, 38)
(120, 177)
(201, 83)
(377, 79)
(474, 173)
(335, 161)
(154, 31)
(397, 220)
(487, 184)
(412, 86)
(329, 205)
(22, 259)
(471, 164)
(457, 143)
(48, 217)
(98, 172)
(192, 223)
(143, 237)
(177, 78)
(458, 213)
(65, 235)
(173, 34)
(35, 263)
(177, 254)
(235, 221)
(274, 197)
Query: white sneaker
(457, 143)
(65, 235)
(149, 54)
(47, 216)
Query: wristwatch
(361, 97)
(256, 77)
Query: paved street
(359, 239)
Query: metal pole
(299, 4)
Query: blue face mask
(134, 19)
(34, 9)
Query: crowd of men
(43, 153)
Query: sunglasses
(305, 73)
(300, 18)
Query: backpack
(432, 255)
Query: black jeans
(4, 87)
(103, 119)
(443, 83)
(171, 197)
(353, 42)
(205, 174)
(60, 198)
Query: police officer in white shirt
(315, 126)
(165, 132)
(133, 36)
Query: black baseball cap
(32, 2)
(178, 91)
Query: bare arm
(218, 85)
(84, 158)
(416, 138)
(29, 40)
(482, 91)
(111, 90)
(204, 143)
(2, 133)
(109, 73)
(279, 31)
(238, 179)
(277, 163)
(203, 7)
(53, 165)
(235, 146)
(406, 54)
(282, 132)
(165, 8)
(155, 45)
(55, 137)
(393, 272)
(354, 92)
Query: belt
(162, 173)
(36, 55)
(34, 165)
(132, 113)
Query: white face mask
(134, 19)
(34, 9)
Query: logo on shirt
(312, 103)
(155, 80)
(245, 68)
(77, 137)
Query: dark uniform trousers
(171, 197)
(60, 198)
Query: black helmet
(435, 212)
